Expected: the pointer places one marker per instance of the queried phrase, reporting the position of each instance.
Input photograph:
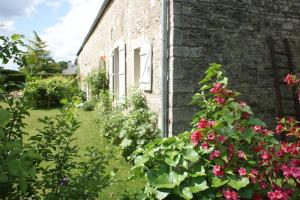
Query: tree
(38, 58)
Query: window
(117, 72)
(137, 67)
(146, 67)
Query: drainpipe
(164, 69)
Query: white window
(143, 67)
(117, 72)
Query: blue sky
(63, 24)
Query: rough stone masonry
(233, 33)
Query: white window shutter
(122, 72)
(146, 67)
(111, 74)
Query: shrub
(130, 126)
(46, 165)
(45, 93)
(88, 105)
(98, 82)
(229, 154)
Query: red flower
(263, 184)
(278, 195)
(220, 100)
(279, 128)
(230, 194)
(221, 138)
(211, 123)
(196, 137)
(216, 88)
(242, 171)
(211, 136)
(241, 154)
(202, 123)
(291, 80)
(218, 171)
(245, 115)
(214, 154)
(257, 129)
(205, 145)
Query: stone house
(164, 46)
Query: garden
(55, 144)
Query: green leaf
(173, 162)
(199, 187)
(161, 195)
(15, 167)
(4, 117)
(198, 171)
(217, 182)
(191, 155)
(187, 193)
(248, 134)
(168, 180)
(125, 143)
(272, 140)
(140, 161)
(3, 177)
(15, 37)
(238, 184)
(256, 122)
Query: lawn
(88, 135)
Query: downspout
(164, 69)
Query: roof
(94, 25)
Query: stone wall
(234, 34)
(133, 22)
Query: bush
(88, 105)
(98, 82)
(45, 93)
(130, 126)
(229, 154)
(46, 165)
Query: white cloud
(12, 8)
(65, 37)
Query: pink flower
(217, 170)
(254, 172)
(242, 171)
(291, 80)
(279, 128)
(278, 195)
(263, 184)
(243, 104)
(241, 154)
(211, 136)
(220, 100)
(205, 145)
(216, 88)
(214, 154)
(196, 137)
(211, 123)
(221, 138)
(257, 128)
(265, 155)
(202, 123)
(230, 194)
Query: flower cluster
(252, 152)
(291, 80)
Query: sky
(63, 24)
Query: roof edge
(94, 25)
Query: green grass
(88, 135)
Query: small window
(137, 67)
